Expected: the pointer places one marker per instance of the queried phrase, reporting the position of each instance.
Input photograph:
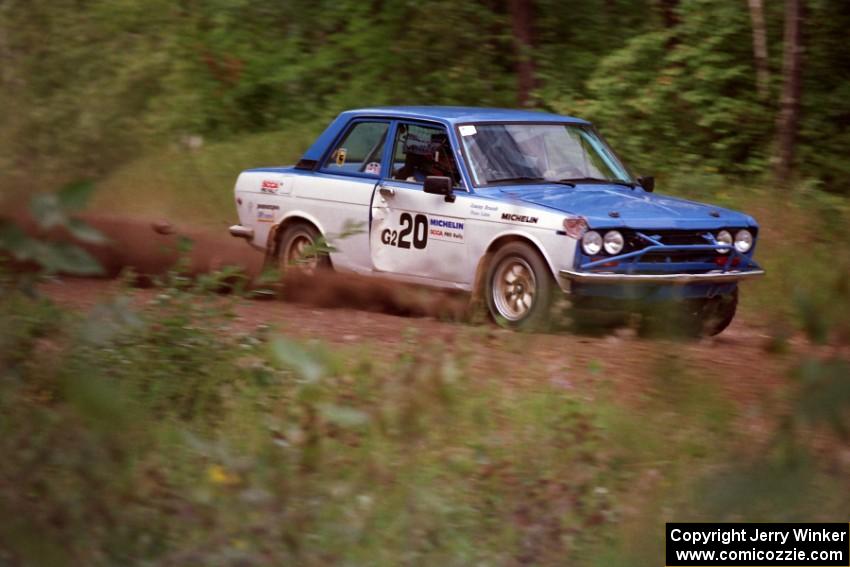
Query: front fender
(545, 243)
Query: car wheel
(692, 318)
(297, 249)
(519, 288)
(717, 314)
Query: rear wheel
(297, 249)
(716, 314)
(519, 288)
(691, 318)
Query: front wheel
(519, 288)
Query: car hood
(614, 205)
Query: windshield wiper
(575, 180)
(521, 178)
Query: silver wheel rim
(514, 288)
(294, 254)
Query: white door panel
(418, 234)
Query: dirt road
(618, 361)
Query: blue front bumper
(713, 277)
(627, 276)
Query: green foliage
(826, 98)
(685, 97)
(163, 434)
(153, 76)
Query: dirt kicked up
(349, 311)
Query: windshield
(538, 153)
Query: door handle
(386, 191)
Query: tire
(295, 241)
(519, 288)
(717, 314)
(692, 318)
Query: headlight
(723, 237)
(613, 242)
(591, 242)
(743, 241)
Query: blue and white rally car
(520, 206)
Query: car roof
(461, 114)
(450, 115)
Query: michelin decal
(450, 229)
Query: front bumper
(717, 277)
(701, 273)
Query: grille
(679, 256)
(672, 237)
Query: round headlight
(723, 237)
(591, 242)
(613, 242)
(743, 241)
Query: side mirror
(648, 183)
(439, 186)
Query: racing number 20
(415, 226)
(418, 225)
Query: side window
(420, 151)
(360, 149)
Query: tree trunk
(522, 18)
(669, 17)
(789, 110)
(760, 48)
(670, 20)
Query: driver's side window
(421, 151)
(360, 150)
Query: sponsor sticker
(483, 210)
(449, 229)
(519, 218)
(269, 186)
(467, 130)
(266, 213)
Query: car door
(414, 233)
(339, 193)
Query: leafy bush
(163, 435)
(685, 98)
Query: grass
(157, 433)
(196, 185)
(160, 434)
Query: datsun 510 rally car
(518, 205)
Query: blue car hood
(617, 206)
